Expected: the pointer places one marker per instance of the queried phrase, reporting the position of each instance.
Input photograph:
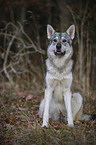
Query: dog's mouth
(60, 53)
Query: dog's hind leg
(77, 106)
(77, 109)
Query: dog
(59, 103)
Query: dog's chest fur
(59, 73)
(58, 79)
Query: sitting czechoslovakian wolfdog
(59, 103)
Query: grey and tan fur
(58, 102)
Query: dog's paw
(70, 125)
(45, 125)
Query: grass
(21, 125)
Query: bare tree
(64, 15)
(83, 44)
(16, 47)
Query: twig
(5, 61)
(77, 29)
(32, 44)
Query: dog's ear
(50, 31)
(71, 31)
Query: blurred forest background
(23, 39)
(23, 47)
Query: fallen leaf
(29, 97)
(22, 109)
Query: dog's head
(60, 43)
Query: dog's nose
(58, 46)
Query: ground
(21, 125)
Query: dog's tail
(86, 117)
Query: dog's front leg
(48, 96)
(67, 99)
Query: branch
(77, 29)
(83, 19)
(5, 61)
(13, 58)
(30, 40)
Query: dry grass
(21, 125)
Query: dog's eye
(55, 40)
(64, 40)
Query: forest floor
(21, 125)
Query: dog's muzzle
(58, 49)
